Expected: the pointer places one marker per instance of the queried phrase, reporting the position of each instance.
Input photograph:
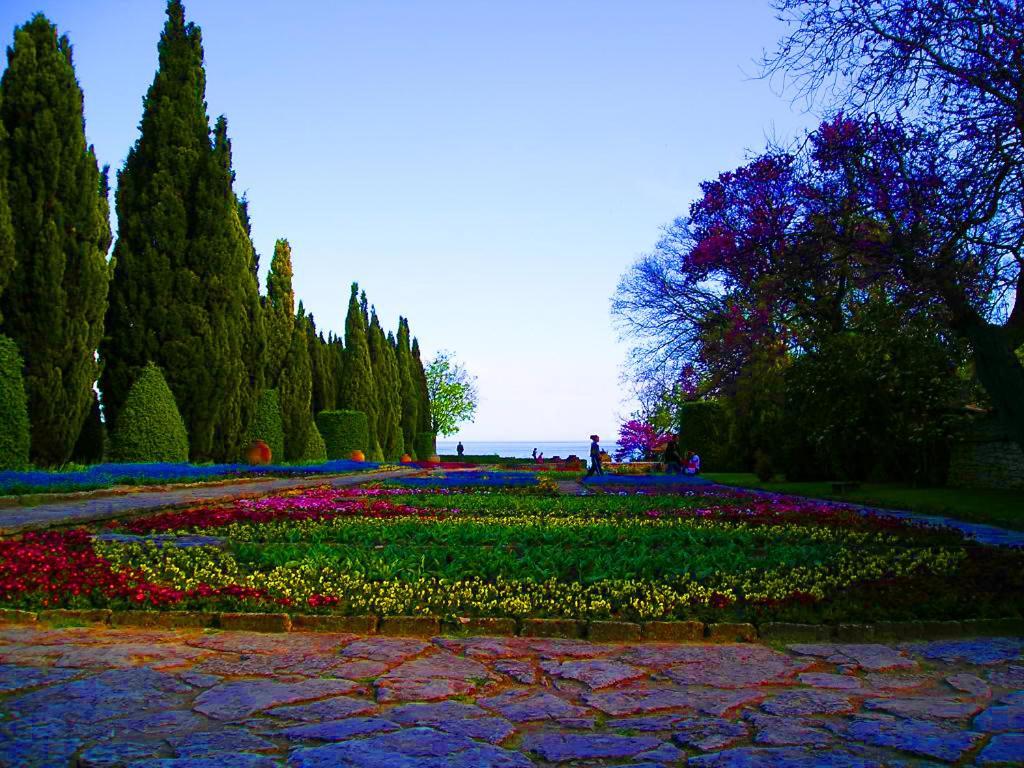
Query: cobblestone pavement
(90, 509)
(95, 697)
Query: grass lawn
(1002, 508)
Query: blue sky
(488, 169)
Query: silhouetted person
(595, 457)
(459, 449)
(673, 465)
(534, 454)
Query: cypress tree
(91, 443)
(357, 391)
(407, 387)
(54, 304)
(423, 398)
(422, 390)
(296, 391)
(280, 310)
(14, 437)
(152, 294)
(324, 386)
(6, 230)
(389, 404)
(184, 294)
(336, 361)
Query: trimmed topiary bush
(316, 449)
(343, 432)
(704, 428)
(424, 445)
(14, 436)
(91, 444)
(149, 426)
(267, 424)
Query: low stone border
(598, 631)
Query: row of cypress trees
(181, 290)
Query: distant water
(521, 449)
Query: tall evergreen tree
(422, 390)
(389, 402)
(54, 305)
(280, 310)
(407, 386)
(357, 392)
(296, 391)
(336, 361)
(183, 293)
(225, 366)
(324, 386)
(6, 229)
(152, 296)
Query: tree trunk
(1001, 373)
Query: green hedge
(149, 427)
(344, 432)
(14, 436)
(316, 449)
(704, 428)
(424, 445)
(267, 424)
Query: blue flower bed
(644, 480)
(470, 480)
(106, 475)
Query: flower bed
(108, 475)
(707, 553)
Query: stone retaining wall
(986, 457)
(598, 631)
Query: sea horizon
(522, 449)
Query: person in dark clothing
(459, 449)
(672, 463)
(595, 457)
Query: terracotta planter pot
(259, 453)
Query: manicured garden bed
(494, 545)
(159, 473)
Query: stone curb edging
(597, 631)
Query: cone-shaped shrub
(316, 449)
(149, 427)
(14, 437)
(343, 432)
(267, 425)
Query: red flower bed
(59, 568)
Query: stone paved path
(95, 697)
(90, 509)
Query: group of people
(674, 465)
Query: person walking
(595, 457)
(459, 449)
